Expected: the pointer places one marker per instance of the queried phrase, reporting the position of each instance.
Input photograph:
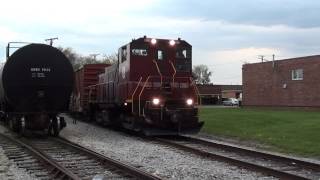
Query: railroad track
(86, 163)
(31, 160)
(269, 164)
(61, 159)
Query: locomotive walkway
(269, 164)
(57, 158)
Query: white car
(231, 102)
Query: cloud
(222, 35)
(294, 13)
(226, 65)
(6, 34)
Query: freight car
(36, 84)
(85, 77)
(150, 89)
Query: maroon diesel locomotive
(150, 89)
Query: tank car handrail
(135, 92)
(10, 47)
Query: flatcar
(35, 86)
(149, 89)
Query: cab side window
(123, 54)
(160, 55)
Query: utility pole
(273, 58)
(94, 56)
(261, 57)
(51, 40)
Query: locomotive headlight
(156, 101)
(189, 102)
(153, 41)
(172, 42)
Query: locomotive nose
(175, 117)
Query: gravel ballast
(8, 169)
(166, 162)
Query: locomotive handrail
(94, 87)
(147, 80)
(99, 84)
(134, 94)
(158, 70)
(175, 71)
(197, 91)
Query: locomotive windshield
(183, 53)
(183, 59)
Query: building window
(297, 74)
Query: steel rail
(297, 162)
(250, 166)
(140, 174)
(59, 170)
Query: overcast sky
(224, 34)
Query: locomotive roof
(147, 39)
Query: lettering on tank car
(39, 72)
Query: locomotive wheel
(129, 122)
(22, 126)
(98, 117)
(55, 127)
(13, 124)
(106, 120)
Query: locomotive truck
(35, 86)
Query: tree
(111, 59)
(75, 59)
(78, 60)
(201, 74)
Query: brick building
(290, 82)
(214, 94)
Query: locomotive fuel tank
(36, 78)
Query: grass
(287, 131)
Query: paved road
(217, 106)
